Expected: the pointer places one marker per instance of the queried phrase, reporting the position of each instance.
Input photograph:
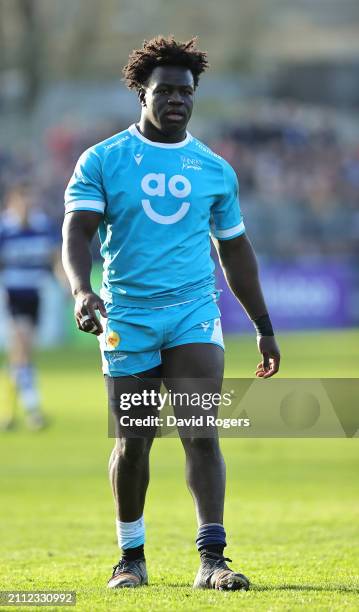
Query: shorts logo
(115, 357)
(113, 339)
(155, 185)
(205, 325)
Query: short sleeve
(226, 217)
(85, 189)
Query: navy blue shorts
(24, 303)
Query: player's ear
(142, 96)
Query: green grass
(291, 511)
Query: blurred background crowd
(279, 103)
(298, 175)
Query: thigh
(193, 373)
(131, 399)
(194, 360)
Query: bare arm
(78, 230)
(240, 267)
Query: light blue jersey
(159, 204)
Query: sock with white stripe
(131, 538)
(24, 377)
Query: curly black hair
(163, 51)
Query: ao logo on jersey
(155, 185)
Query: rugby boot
(128, 574)
(35, 420)
(214, 573)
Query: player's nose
(175, 98)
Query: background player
(154, 191)
(28, 253)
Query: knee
(208, 447)
(133, 450)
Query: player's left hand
(269, 349)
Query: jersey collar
(162, 145)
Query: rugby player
(29, 249)
(155, 193)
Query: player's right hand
(86, 303)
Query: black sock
(133, 554)
(213, 548)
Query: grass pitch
(291, 511)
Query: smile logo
(113, 339)
(155, 185)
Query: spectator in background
(299, 174)
(28, 252)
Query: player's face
(20, 200)
(167, 100)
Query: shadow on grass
(282, 587)
(306, 587)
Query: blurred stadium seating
(282, 114)
(299, 185)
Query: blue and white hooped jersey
(159, 204)
(26, 252)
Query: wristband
(263, 326)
